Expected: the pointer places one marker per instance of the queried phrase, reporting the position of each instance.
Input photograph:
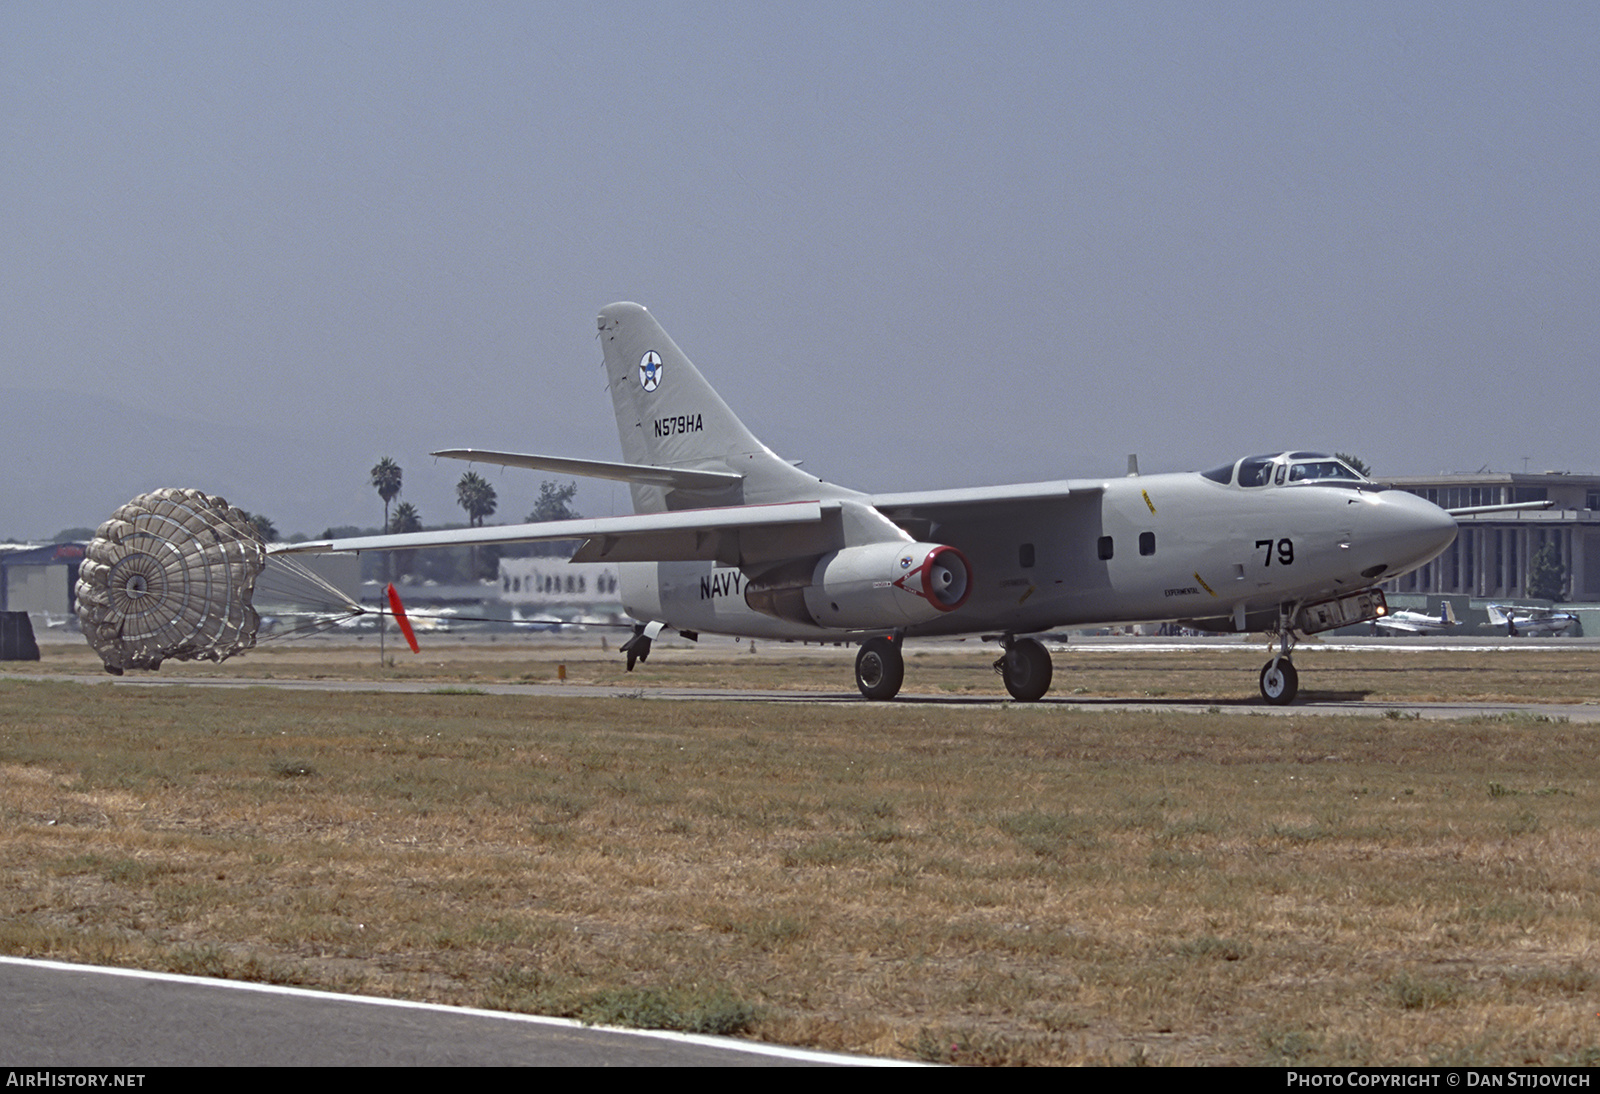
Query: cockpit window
(1284, 466)
(1320, 469)
(1255, 470)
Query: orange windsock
(399, 610)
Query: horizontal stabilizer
(669, 478)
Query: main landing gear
(880, 668)
(1025, 667)
(1280, 683)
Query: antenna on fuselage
(1133, 465)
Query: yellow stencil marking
(1204, 586)
(1148, 502)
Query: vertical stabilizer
(668, 416)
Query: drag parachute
(178, 574)
(170, 576)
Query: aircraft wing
(668, 477)
(977, 499)
(730, 535)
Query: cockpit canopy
(1285, 467)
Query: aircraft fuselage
(1139, 549)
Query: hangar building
(1490, 557)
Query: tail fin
(668, 416)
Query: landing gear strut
(1025, 667)
(880, 668)
(1280, 683)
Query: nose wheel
(1280, 683)
(880, 669)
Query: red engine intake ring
(945, 579)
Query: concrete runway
(1572, 712)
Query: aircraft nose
(1412, 530)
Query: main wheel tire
(1026, 670)
(880, 669)
(1279, 685)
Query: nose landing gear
(1280, 683)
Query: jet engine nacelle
(878, 586)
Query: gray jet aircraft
(728, 538)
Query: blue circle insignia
(650, 371)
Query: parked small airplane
(1531, 622)
(1419, 622)
(728, 538)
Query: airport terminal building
(1491, 555)
(552, 587)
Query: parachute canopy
(170, 575)
(175, 575)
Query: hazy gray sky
(252, 248)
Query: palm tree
(386, 476)
(476, 496)
(406, 519)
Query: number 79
(1285, 550)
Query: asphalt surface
(1572, 712)
(58, 1015)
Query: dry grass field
(968, 883)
